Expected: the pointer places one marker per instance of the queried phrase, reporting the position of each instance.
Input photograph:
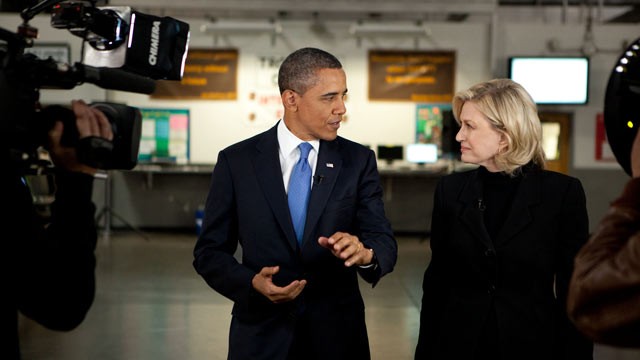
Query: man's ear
(290, 100)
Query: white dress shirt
(290, 153)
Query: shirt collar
(289, 142)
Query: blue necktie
(299, 189)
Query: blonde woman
(503, 241)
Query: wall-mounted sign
(430, 122)
(58, 52)
(209, 74)
(165, 136)
(418, 76)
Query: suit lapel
(471, 215)
(267, 164)
(528, 194)
(328, 168)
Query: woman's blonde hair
(512, 111)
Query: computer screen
(390, 153)
(422, 153)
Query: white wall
(217, 124)
(530, 39)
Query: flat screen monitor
(390, 153)
(422, 153)
(552, 80)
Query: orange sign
(209, 74)
(418, 76)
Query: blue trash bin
(199, 216)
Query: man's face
(318, 112)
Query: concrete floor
(150, 304)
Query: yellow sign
(418, 76)
(209, 74)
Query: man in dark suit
(295, 291)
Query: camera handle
(28, 13)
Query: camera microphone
(114, 79)
(317, 179)
(54, 75)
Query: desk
(168, 196)
(408, 196)
(160, 197)
(171, 169)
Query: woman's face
(479, 140)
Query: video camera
(123, 50)
(621, 105)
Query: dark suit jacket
(247, 203)
(47, 266)
(520, 277)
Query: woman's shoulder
(457, 180)
(559, 186)
(554, 176)
(461, 175)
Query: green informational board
(429, 123)
(165, 136)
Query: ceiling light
(390, 29)
(241, 27)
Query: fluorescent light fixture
(241, 27)
(389, 29)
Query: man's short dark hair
(298, 70)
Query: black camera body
(126, 56)
(622, 104)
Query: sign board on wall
(165, 136)
(58, 52)
(265, 103)
(429, 123)
(418, 76)
(209, 74)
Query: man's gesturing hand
(348, 248)
(263, 283)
